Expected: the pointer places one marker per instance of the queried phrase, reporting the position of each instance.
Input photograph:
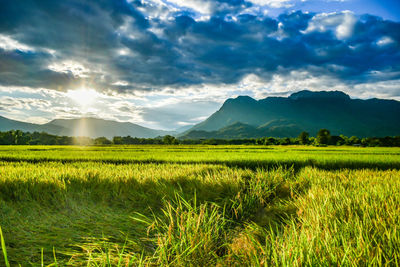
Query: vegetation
(199, 205)
(304, 138)
(323, 138)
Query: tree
(170, 140)
(303, 138)
(284, 141)
(354, 140)
(260, 141)
(323, 137)
(117, 140)
(7, 138)
(270, 141)
(336, 140)
(102, 141)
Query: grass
(199, 206)
(4, 249)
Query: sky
(168, 64)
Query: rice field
(199, 206)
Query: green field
(199, 205)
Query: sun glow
(84, 97)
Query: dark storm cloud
(180, 51)
(18, 68)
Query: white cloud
(206, 7)
(120, 83)
(36, 119)
(293, 81)
(386, 40)
(345, 29)
(13, 104)
(273, 3)
(203, 7)
(70, 66)
(7, 43)
(157, 9)
(124, 52)
(342, 23)
(380, 89)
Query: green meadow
(199, 206)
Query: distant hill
(302, 111)
(90, 127)
(93, 127)
(8, 124)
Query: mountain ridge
(85, 126)
(7, 124)
(308, 111)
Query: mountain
(184, 128)
(90, 127)
(93, 127)
(302, 111)
(8, 124)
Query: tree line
(323, 138)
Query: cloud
(69, 67)
(12, 104)
(289, 82)
(341, 23)
(183, 112)
(204, 7)
(145, 46)
(210, 7)
(273, 3)
(385, 41)
(9, 44)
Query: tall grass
(346, 218)
(187, 233)
(4, 249)
(96, 213)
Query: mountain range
(91, 127)
(245, 117)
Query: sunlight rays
(83, 97)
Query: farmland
(199, 205)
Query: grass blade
(3, 247)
